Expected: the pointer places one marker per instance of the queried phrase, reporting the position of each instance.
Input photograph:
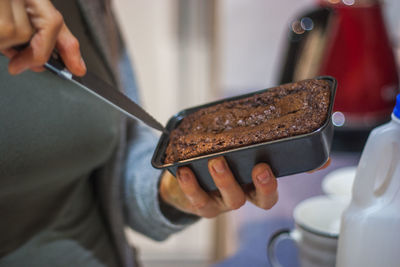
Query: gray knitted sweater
(125, 185)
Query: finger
(6, 15)
(172, 194)
(7, 26)
(68, 47)
(24, 30)
(230, 190)
(265, 195)
(197, 197)
(323, 166)
(47, 22)
(15, 27)
(9, 52)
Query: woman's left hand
(185, 194)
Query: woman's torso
(53, 135)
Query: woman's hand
(38, 23)
(186, 194)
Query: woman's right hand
(40, 24)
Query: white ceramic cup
(339, 183)
(317, 221)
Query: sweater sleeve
(142, 207)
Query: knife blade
(104, 91)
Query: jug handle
(364, 183)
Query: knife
(104, 91)
(101, 89)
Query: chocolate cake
(283, 111)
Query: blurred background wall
(188, 52)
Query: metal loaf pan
(285, 156)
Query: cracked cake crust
(283, 111)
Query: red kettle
(360, 56)
(347, 39)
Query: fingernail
(14, 71)
(183, 177)
(263, 177)
(16, 66)
(83, 63)
(218, 166)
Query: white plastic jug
(370, 229)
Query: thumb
(68, 47)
